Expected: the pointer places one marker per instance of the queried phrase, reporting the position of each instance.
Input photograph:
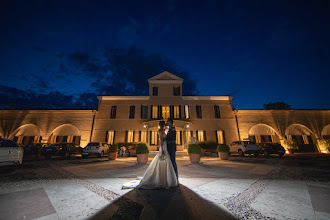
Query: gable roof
(165, 76)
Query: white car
(95, 148)
(10, 151)
(245, 147)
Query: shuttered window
(132, 111)
(153, 137)
(143, 136)
(144, 111)
(186, 112)
(111, 137)
(199, 111)
(220, 137)
(217, 111)
(129, 136)
(113, 112)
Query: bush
(223, 148)
(324, 145)
(208, 145)
(142, 149)
(113, 148)
(194, 149)
(290, 144)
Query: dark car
(272, 148)
(64, 150)
(32, 149)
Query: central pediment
(165, 76)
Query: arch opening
(262, 133)
(27, 134)
(303, 136)
(66, 133)
(326, 132)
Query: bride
(160, 172)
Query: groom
(171, 143)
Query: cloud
(118, 71)
(113, 71)
(12, 98)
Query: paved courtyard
(293, 187)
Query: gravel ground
(37, 173)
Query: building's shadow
(175, 203)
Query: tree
(277, 106)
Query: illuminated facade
(135, 119)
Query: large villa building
(136, 118)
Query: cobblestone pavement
(293, 187)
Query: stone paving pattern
(240, 188)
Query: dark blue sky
(257, 51)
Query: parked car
(272, 148)
(32, 149)
(10, 151)
(95, 148)
(64, 150)
(245, 147)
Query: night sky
(61, 54)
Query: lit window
(111, 137)
(176, 111)
(200, 136)
(153, 137)
(305, 139)
(143, 137)
(165, 112)
(130, 136)
(186, 111)
(154, 111)
(220, 137)
(178, 138)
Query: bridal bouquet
(162, 157)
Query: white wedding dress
(159, 174)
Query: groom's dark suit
(171, 147)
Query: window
(178, 140)
(176, 112)
(154, 112)
(200, 136)
(165, 112)
(144, 111)
(199, 111)
(111, 137)
(216, 111)
(76, 140)
(186, 112)
(129, 136)
(153, 137)
(305, 139)
(176, 91)
(132, 111)
(113, 111)
(143, 137)
(220, 137)
(155, 91)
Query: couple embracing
(162, 171)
